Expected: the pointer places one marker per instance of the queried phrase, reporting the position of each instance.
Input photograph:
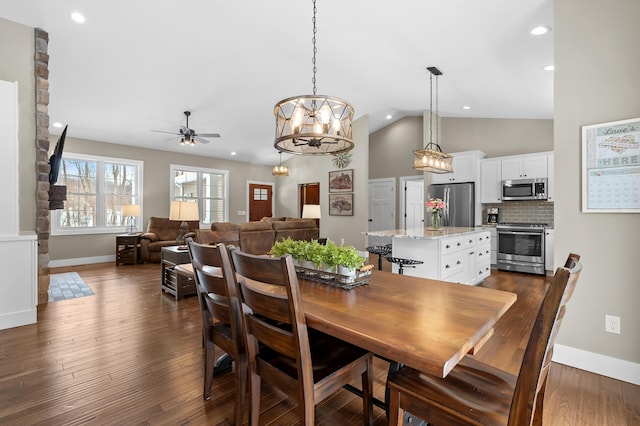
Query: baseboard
(81, 261)
(16, 319)
(604, 365)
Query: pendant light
(280, 170)
(431, 159)
(313, 124)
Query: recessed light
(233, 153)
(466, 107)
(549, 68)
(56, 124)
(389, 116)
(78, 17)
(543, 29)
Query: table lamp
(131, 211)
(312, 211)
(183, 210)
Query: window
(209, 187)
(97, 189)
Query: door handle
(370, 220)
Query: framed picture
(611, 167)
(341, 181)
(341, 204)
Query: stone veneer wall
(522, 212)
(43, 216)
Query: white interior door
(382, 207)
(413, 204)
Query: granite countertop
(426, 233)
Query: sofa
(258, 237)
(162, 232)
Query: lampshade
(184, 210)
(431, 159)
(130, 210)
(313, 124)
(311, 211)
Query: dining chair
(307, 365)
(475, 393)
(222, 323)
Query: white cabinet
(548, 250)
(494, 246)
(524, 167)
(491, 180)
(463, 258)
(465, 168)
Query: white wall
(596, 81)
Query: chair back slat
(537, 355)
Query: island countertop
(426, 233)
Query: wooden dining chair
(222, 323)
(307, 365)
(475, 393)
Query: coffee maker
(492, 215)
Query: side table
(127, 248)
(179, 285)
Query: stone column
(43, 217)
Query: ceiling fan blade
(201, 140)
(209, 135)
(162, 131)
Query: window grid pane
(80, 207)
(210, 194)
(119, 189)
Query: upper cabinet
(525, 167)
(529, 166)
(465, 168)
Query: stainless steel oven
(521, 247)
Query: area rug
(68, 285)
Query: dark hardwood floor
(132, 355)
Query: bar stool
(380, 251)
(403, 263)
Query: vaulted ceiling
(133, 66)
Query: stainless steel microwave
(524, 189)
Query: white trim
(16, 319)
(604, 365)
(82, 261)
(273, 196)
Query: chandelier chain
(315, 49)
(430, 106)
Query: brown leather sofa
(258, 237)
(162, 232)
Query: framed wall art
(611, 167)
(341, 181)
(341, 204)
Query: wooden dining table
(425, 324)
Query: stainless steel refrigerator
(459, 199)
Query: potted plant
(349, 260)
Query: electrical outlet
(241, 212)
(612, 324)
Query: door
(260, 201)
(413, 204)
(309, 194)
(382, 207)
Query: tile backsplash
(522, 212)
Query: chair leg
(254, 411)
(367, 394)
(395, 412)
(209, 361)
(241, 388)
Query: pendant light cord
(430, 108)
(315, 50)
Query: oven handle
(519, 233)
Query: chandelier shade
(313, 124)
(280, 170)
(431, 159)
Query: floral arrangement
(436, 205)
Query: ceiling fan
(190, 136)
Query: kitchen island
(455, 254)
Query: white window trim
(55, 214)
(172, 173)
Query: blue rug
(68, 285)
